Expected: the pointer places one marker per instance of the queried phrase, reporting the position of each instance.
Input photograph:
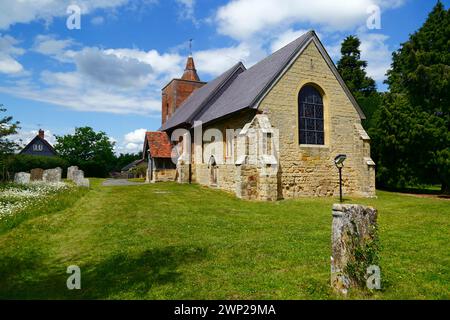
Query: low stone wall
(226, 179)
(226, 176)
(247, 182)
(162, 175)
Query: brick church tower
(178, 90)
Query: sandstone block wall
(308, 170)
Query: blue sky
(109, 73)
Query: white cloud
(90, 98)
(378, 54)
(136, 136)
(242, 19)
(217, 61)
(49, 45)
(109, 69)
(285, 38)
(23, 137)
(98, 20)
(187, 10)
(9, 65)
(8, 54)
(169, 64)
(25, 11)
(133, 147)
(132, 142)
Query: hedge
(25, 163)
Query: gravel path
(120, 182)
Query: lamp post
(339, 162)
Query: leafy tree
(353, 71)
(7, 147)
(127, 158)
(411, 138)
(7, 128)
(91, 151)
(352, 68)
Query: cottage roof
(158, 143)
(33, 141)
(132, 164)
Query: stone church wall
(304, 170)
(308, 170)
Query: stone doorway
(212, 166)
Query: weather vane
(190, 47)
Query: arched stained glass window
(310, 112)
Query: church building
(282, 123)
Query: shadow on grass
(418, 190)
(121, 275)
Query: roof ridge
(306, 37)
(217, 90)
(206, 99)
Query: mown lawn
(169, 241)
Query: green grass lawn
(170, 241)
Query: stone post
(354, 245)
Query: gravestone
(83, 183)
(22, 178)
(37, 174)
(52, 175)
(354, 245)
(79, 179)
(70, 172)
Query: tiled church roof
(158, 143)
(239, 88)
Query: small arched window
(310, 113)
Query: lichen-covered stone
(79, 179)
(22, 178)
(354, 229)
(52, 175)
(70, 172)
(37, 174)
(84, 183)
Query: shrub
(25, 163)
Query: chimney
(41, 134)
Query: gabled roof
(201, 97)
(158, 143)
(45, 142)
(239, 88)
(132, 164)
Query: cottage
(135, 169)
(158, 153)
(39, 146)
(270, 131)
